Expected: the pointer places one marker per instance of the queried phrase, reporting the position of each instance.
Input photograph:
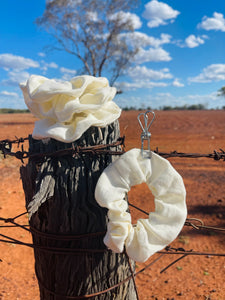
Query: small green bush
(13, 111)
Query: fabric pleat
(66, 109)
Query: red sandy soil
(194, 277)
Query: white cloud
(214, 72)
(217, 22)
(152, 54)
(142, 72)
(67, 73)
(193, 41)
(144, 84)
(128, 101)
(10, 61)
(167, 99)
(126, 17)
(171, 100)
(140, 39)
(8, 94)
(177, 83)
(159, 13)
(11, 100)
(41, 54)
(15, 77)
(52, 65)
(45, 66)
(143, 77)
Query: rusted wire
(57, 237)
(215, 155)
(184, 253)
(174, 262)
(12, 221)
(54, 250)
(6, 149)
(133, 275)
(65, 237)
(178, 251)
(93, 294)
(193, 222)
(197, 224)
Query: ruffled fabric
(163, 225)
(67, 109)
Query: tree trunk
(68, 183)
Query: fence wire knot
(191, 222)
(218, 156)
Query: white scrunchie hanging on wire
(66, 109)
(163, 225)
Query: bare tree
(94, 31)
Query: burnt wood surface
(65, 186)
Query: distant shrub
(197, 107)
(13, 111)
(185, 107)
(126, 108)
(167, 107)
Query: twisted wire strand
(193, 222)
(6, 149)
(197, 224)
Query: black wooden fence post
(70, 259)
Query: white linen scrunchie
(163, 225)
(66, 109)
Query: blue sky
(181, 60)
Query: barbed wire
(6, 149)
(194, 223)
(216, 155)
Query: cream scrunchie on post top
(66, 109)
(163, 225)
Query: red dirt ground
(194, 277)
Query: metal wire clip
(146, 135)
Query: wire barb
(6, 147)
(215, 155)
(75, 151)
